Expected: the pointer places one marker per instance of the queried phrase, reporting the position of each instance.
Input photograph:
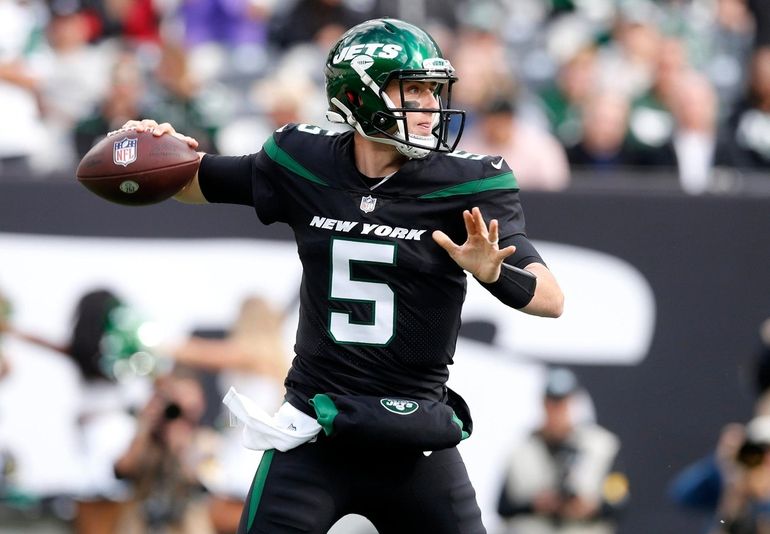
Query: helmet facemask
(393, 124)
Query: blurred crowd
(156, 451)
(558, 87)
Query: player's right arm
(191, 193)
(242, 180)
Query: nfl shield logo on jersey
(367, 204)
(124, 151)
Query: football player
(387, 219)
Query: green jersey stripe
(501, 181)
(282, 158)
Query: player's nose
(429, 100)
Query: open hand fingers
(494, 229)
(492, 233)
(140, 126)
(191, 141)
(507, 251)
(444, 241)
(470, 223)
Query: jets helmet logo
(380, 50)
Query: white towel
(284, 430)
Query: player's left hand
(480, 254)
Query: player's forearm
(548, 300)
(191, 193)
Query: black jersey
(380, 301)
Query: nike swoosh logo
(498, 164)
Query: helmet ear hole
(353, 98)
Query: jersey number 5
(381, 328)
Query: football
(137, 168)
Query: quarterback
(388, 219)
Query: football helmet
(361, 65)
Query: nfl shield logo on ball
(124, 151)
(367, 204)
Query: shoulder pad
(464, 173)
(294, 128)
(490, 165)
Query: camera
(172, 411)
(752, 451)
(751, 454)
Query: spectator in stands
(602, 145)
(563, 478)
(485, 79)
(20, 75)
(76, 78)
(282, 98)
(627, 63)
(440, 18)
(135, 22)
(694, 106)
(299, 22)
(230, 23)
(651, 123)
(564, 99)
(745, 139)
(174, 95)
(123, 100)
(537, 159)
(724, 49)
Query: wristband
(515, 287)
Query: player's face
(416, 95)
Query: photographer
(561, 479)
(743, 506)
(164, 456)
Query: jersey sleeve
(244, 180)
(498, 198)
(525, 254)
(226, 179)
